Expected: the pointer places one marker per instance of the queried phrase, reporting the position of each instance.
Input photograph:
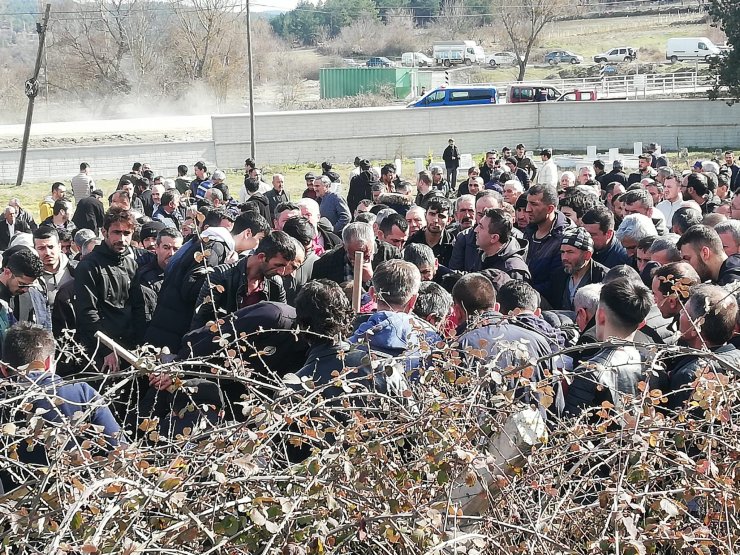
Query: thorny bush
(454, 463)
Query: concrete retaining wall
(390, 133)
(108, 161)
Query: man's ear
(497, 307)
(372, 294)
(410, 304)
(459, 313)
(538, 312)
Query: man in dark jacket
(435, 234)
(89, 212)
(183, 280)
(168, 212)
(425, 192)
(338, 264)
(616, 175)
(578, 269)
(151, 275)
(523, 162)
(717, 312)
(360, 187)
(451, 157)
(519, 173)
(615, 370)
(277, 194)
(608, 251)
(499, 249)
(256, 200)
(108, 296)
(10, 225)
(544, 234)
(701, 247)
(253, 279)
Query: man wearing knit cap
(579, 269)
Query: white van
(416, 59)
(690, 48)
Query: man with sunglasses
(21, 269)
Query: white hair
(636, 227)
(309, 204)
(570, 175)
(710, 166)
(587, 298)
(516, 184)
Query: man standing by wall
(82, 183)
(451, 156)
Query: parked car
(351, 62)
(416, 59)
(379, 61)
(621, 54)
(457, 96)
(524, 92)
(577, 95)
(564, 56)
(501, 59)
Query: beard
(575, 268)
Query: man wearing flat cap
(579, 269)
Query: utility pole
(250, 80)
(32, 89)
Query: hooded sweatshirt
(510, 259)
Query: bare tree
(452, 20)
(524, 21)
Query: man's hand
(111, 364)
(160, 382)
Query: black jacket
(729, 272)
(523, 177)
(260, 204)
(20, 227)
(108, 298)
(331, 239)
(615, 175)
(451, 156)
(685, 369)
(510, 259)
(273, 199)
(331, 264)
(399, 203)
(182, 283)
(442, 250)
(146, 202)
(360, 187)
(89, 214)
(424, 200)
(557, 294)
(233, 279)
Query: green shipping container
(338, 82)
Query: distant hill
(269, 14)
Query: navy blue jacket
(543, 257)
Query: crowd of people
(515, 253)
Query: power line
(145, 9)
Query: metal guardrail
(626, 86)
